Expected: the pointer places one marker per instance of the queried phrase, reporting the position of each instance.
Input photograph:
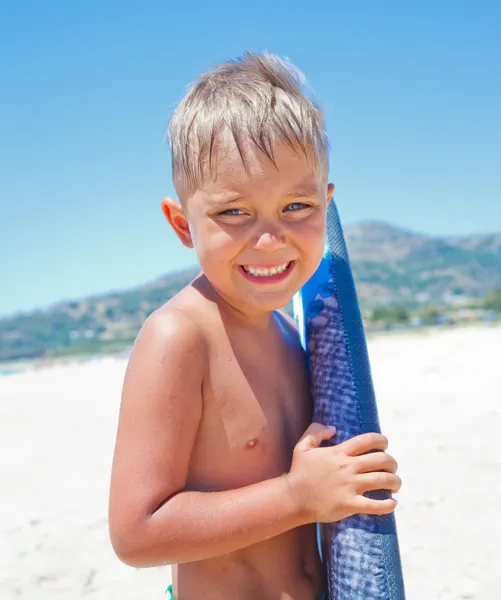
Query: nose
(270, 239)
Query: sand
(440, 405)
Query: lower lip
(270, 278)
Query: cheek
(310, 236)
(216, 246)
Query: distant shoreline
(24, 365)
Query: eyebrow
(221, 201)
(303, 192)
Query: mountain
(394, 265)
(391, 265)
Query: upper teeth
(262, 272)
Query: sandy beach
(439, 397)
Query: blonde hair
(258, 98)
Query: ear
(330, 192)
(174, 213)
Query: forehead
(250, 170)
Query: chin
(269, 303)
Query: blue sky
(411, 91)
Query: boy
(218, 470)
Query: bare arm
(194, 526)
(154, 519)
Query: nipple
(251, 443)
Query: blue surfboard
(360, 554)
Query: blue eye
(295, 206)
(232, 212)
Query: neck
(244, 314)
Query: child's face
(258, 234)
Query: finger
(368, 506)
(315, 435)
(375, 461)
(378, 481)
(361, 444)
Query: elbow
(127, 558)
(128, 555)
(136, 550)
(125, 547)
(138, 559)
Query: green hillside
(392, 266)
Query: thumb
(315, 435)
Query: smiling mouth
(267, 274)
(266, 271)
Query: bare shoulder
(168, 337)
(171, 326)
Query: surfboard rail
(360, 554)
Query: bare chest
(256, 407)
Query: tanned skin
(218, 469)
